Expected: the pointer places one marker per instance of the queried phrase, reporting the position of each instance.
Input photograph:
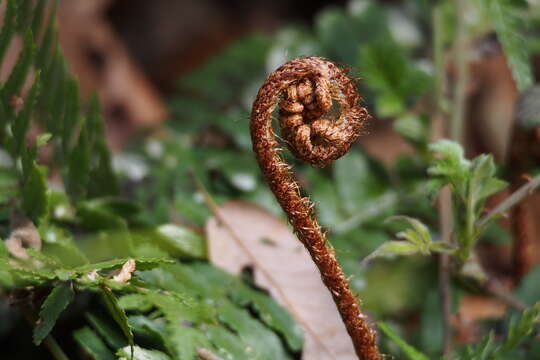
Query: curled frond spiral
(320, 118)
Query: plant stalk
(445, 197)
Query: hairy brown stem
(317, 131)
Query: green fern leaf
(54, 305)
(22, 121)
(8, 29)
(34, 193)
(93, 344)
(508, 27)
(18, 76)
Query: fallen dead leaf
(280, 255)
(124, 275)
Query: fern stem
(304, 91)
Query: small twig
(445, 290)
(215, 210)
(205, 354)
(445, 197)
(495, 288)
(511, 201)
(462, 73)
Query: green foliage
(141, 354)
(410, 351)
(57, 301)
(118, 314)
(417, 241)
(393, 77)
(472, 182)
(34, 192)
(509, 28)
(94, 243)
(93, 344)
(519, 332)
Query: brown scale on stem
(320, 118)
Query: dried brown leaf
(124, 275)
(293, 273)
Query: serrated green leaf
(393, 248)
(59, 244)
(266, 344)
(521, 328)
(141, 354)
(393, 75)
(140, 263)
(38, 13)
(528, 290)
(103, 181)
(20, 71)
(4, 254)
(153, 330)
(38, 255)
(509, 28)
(8, 27)
(57, 301)
(451, 163)
(22, 120)
(107, 330)
(118, 314)
(423, 237)
(24, 14)
(93, 344)
(78, 174)
(71, 114)
(490, 187)
(43, 139)
(358, 181)
(48, 43)
(137, 302)
(228, 345)
(442, 247)
(271, 314)
(31, 277)
(184, 340)
(410, 351)
(180, 241)
(34, 193)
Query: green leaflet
(34, 193)
(272, 314)
(141, 354)
(93, 344)
(20, 71)
(57, 301)
(8, 28)
(410, 351)
(79, 166)
(107, 330)
(228, 345)
(180, 241)
(509, 28)
(118, 314)
(265, 344)
(22, 120)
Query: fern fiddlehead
(320, 118)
